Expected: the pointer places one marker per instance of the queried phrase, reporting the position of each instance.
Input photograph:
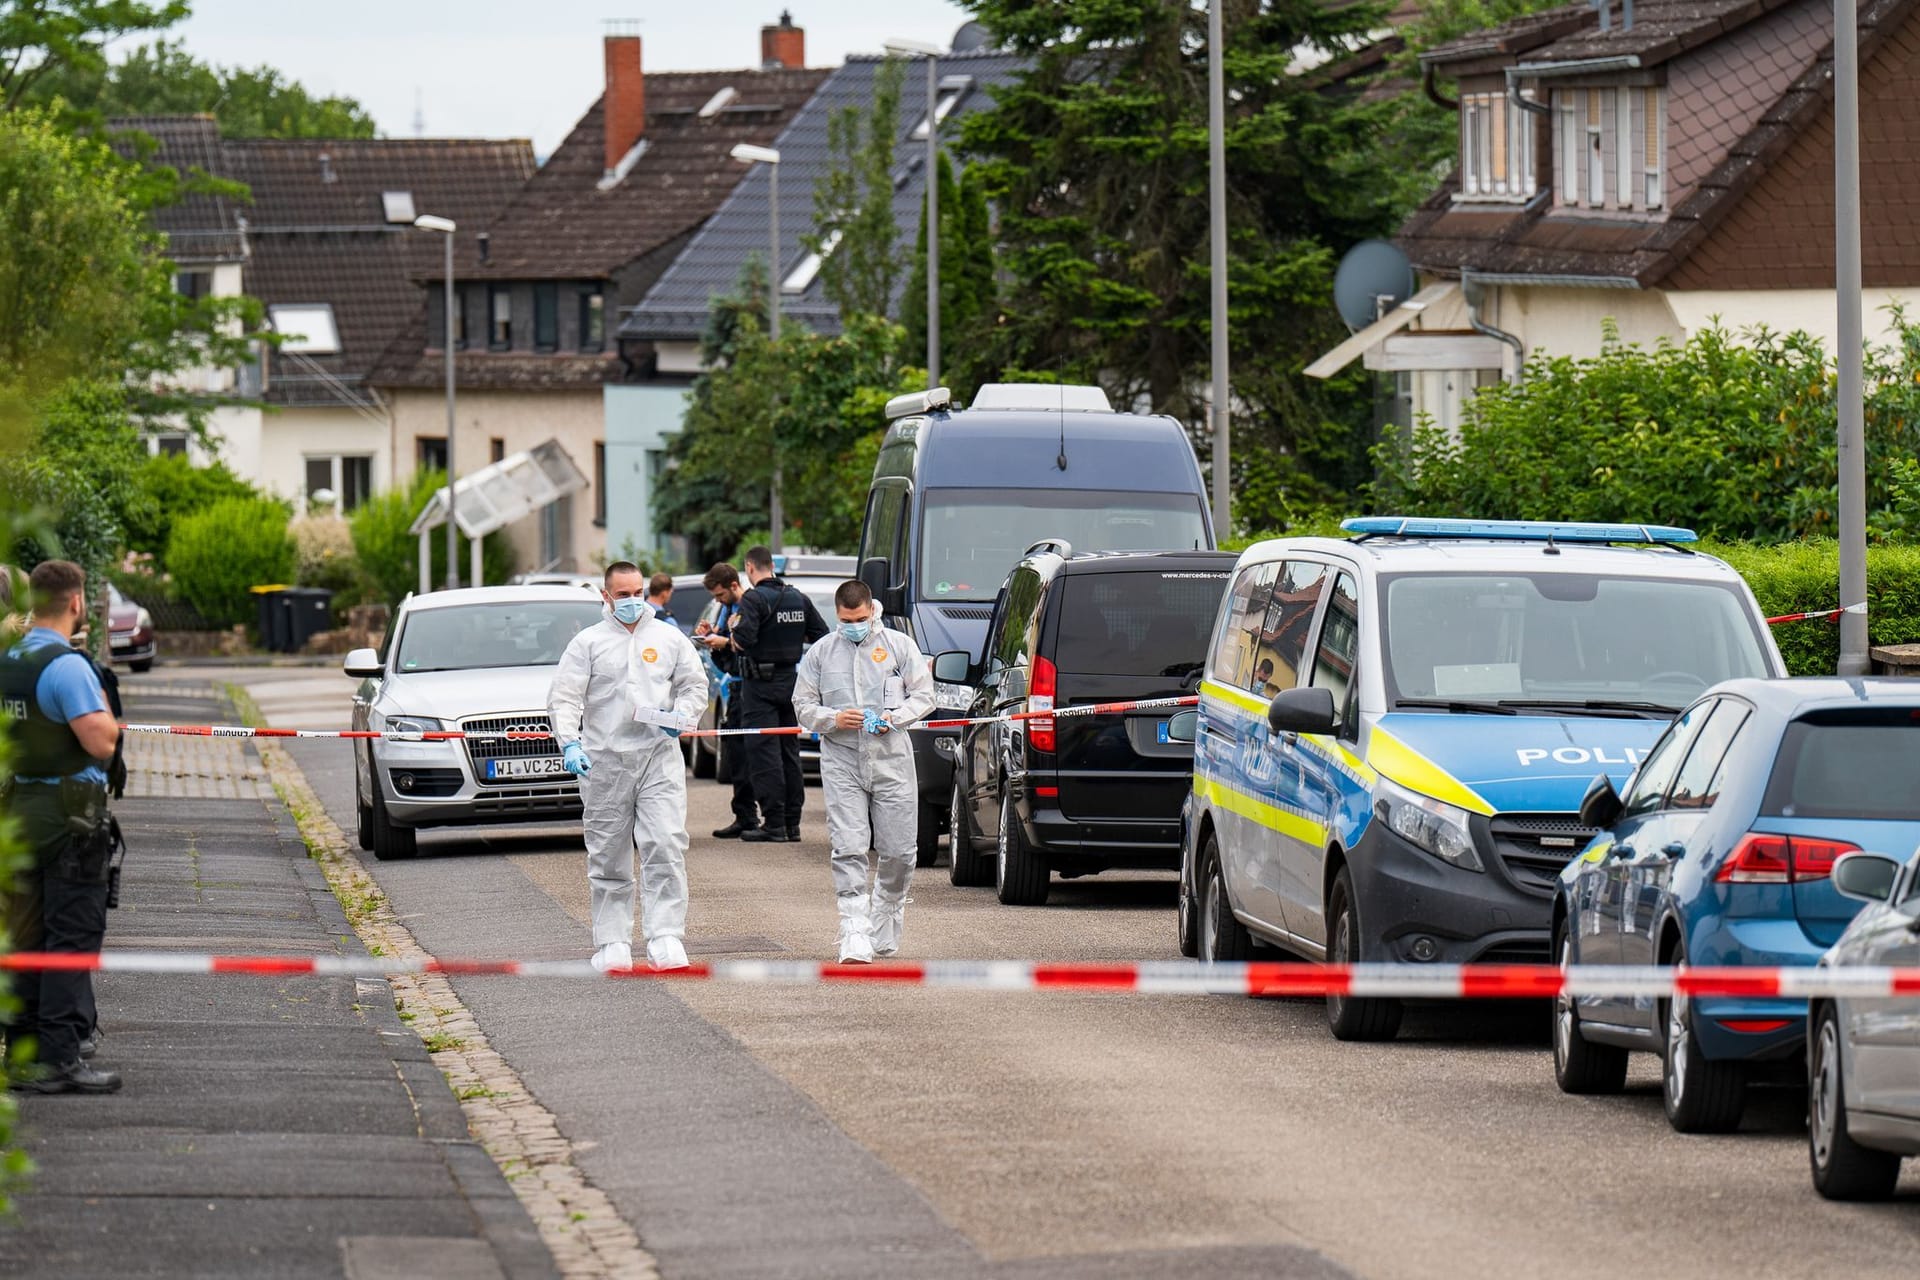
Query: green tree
(968, 286)
(162, 78)
(853, 226)
(42, 39)
(172, 486)
(218, 554)
(390, 555)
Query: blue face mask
(630, 610)
(855, 631)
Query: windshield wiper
(1597, 706)
(1460, 708)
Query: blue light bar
(1514, 530)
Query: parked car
(717, 757)
(1077, 796)
(1721, 852)
(1395, 731)
(1863, 1054)
(958, 496)
(479, 659)
(584, 581)
(130, 635)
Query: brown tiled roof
(563, 226)
(1445, 238)
(408, 364)
(201, 228)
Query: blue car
(1721, 852)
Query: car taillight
(1771, 859)
(1042, 682)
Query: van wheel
(965, 865)
(1701, 1095)
(142, 667)
(1018, 872)
(387, 839)
(703, 761)
(1222, 936)
(1351, 1017)
(1842, 1168)
(1579, 1065)
(1187, 911)
(927, 835)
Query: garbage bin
(308, 611)
(271, 616)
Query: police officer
(722, 582)
(776, 622)
(63, 735)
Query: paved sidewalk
(268, 1127)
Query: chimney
(625, 113)
(784, 45)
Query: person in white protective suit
(624, 690)
(859, 689)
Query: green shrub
(324, 557)
(218, 553)
(1804, 577)
(1308, 522)
(390, 556)
(172, 487)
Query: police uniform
(776, 623)
(746, 813)
(58, 797)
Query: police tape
(1162, 977)
(1818, 614)
(457, 735)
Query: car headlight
(142, 621)
(412, 724)
(952, 697)
(1433, 825)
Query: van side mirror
(955, 666)
(1301, 711)
(877, 573)
(1183, 726)
(363, 664)
(1866, 876)
(1600, 806)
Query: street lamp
(931, 52)
(1217, 235)
(747, 153)
(1856, 654)
(446, 226)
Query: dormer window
(1610, 146)
(1496, 149)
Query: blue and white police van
(1395, 731)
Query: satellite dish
(973, 37)
(1373, 270)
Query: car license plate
(121, 642)
(532, 767)
(1161, 734)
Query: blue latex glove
(574, 758)
(671, 733)
(874, 724)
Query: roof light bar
(919, 402)
(1514, 530)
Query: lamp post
(446, 226)
(1855, 655)
(747, 153)
(1217, 236)
(931, 52)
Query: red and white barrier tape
(1818, 613)
(1442, 982)
(455, 735)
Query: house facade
(1653, 170)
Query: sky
(515, 69)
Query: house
(326, 244)
(537, 287)
(1665, 166)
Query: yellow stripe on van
(1238, 697)
(1416, 772)
(1260, 812)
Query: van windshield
(972, 538)
(1560, 641)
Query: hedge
(1802, 577)
(218, 553)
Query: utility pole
(748, 153)
(1854, 657)
(931, 52)
(446, 226)
(1220, 402)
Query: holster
(91, 832)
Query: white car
(480, 660)
(1863, 1054)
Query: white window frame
(1653, 166)
(1594, 136)
(306, 328)
(337, 473)
(1623, 140)
(1497, 150)
(1568, 137)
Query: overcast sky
(515, 69)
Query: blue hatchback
(1721, 853)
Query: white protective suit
(636, 788)
(867, 779)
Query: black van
(959, 496)
(1077, 795)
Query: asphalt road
(757, 1131)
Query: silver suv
(478, 660)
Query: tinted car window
(1146, 624)
(476, 637)
(1232, 660)
(1016, 618)
(1697, 785)
(1283, 631)
(1857, 763)
(1339, 645)
(971, 537)
(1650, 781)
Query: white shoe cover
(886, 930)
(614, 955)
(666, 953)
(855, 946)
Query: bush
(324, 557)
(218, 553)
(172, 487)
(390, 556)
(1804, 577)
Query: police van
(1395, 731)
(959, 495)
